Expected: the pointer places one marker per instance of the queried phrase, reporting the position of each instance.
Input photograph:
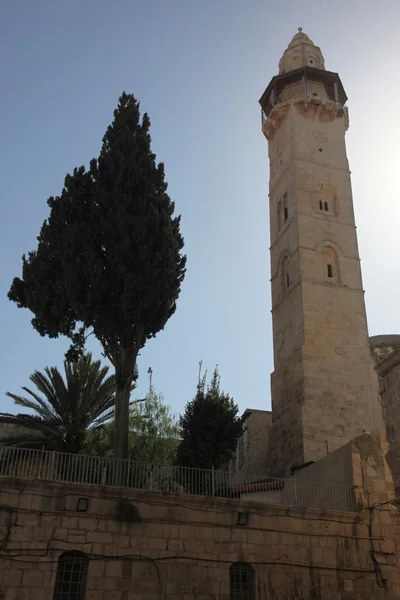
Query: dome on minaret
(301, 52)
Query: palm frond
(64, 409)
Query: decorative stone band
(318, 107)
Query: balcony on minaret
(306, 82)
(302, 77)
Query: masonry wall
(256, 429)
(324, 388)
(184, 546)
(335, 468)
(386, 352)
(256, 453)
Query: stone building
(386, 352)
(324, 389)
(250, 450)
(308, 510)
(64, 537)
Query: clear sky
(198, 68)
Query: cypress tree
(108, 259)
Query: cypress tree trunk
(125, 373)
(122, 394)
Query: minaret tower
(324, 389)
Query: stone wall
(256, 453)
(183, 546)
(386, 352)
(8, 431)
(256, 424)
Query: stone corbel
(275, 118)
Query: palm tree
(63, 410)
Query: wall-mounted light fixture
(82, 505)
(242, 518)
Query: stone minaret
(324, 389)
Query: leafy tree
(210, 426)
(63, 410)
(108, 259)
(153, 433)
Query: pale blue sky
(198, 68)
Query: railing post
(303, 86)
(51, 466)
(212, 481)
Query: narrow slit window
(287, 280)
(321, 205)
(285, 213)
(326, 207)
(330, 271)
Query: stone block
(174, 531)
(87, 523)
(99, 537)
(76, 536)
(90, 583)
(113, 526)
(288, 539)
(69, 522)
(113, 568)
(187, 532)
(97, 568)
(32, 578)
(105, 584)
(348, 585)
(193, 546)
(157, 544)
(25, 501)
(223, 534)
(124, 541)
(12, 578)
(21, 594)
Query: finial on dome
(300, 29)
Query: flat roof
(250, 411)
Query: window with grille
(241, 582)
(71, 576)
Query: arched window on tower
(330, 264)
(285, 208)
(71, 576)
(285, 275)
(242, 582)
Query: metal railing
(299, 90)
(81, 469)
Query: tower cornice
(328, 109)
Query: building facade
(324, 389)
(79, 540)
(386, 352)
